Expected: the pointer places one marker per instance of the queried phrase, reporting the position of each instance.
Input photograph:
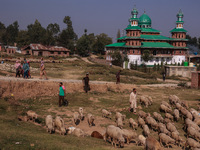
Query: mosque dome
(145, 20)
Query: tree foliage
(146, 56)
(117, 58)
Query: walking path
(2, 78)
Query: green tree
(161, 65)
(146, 56)
(83, 45)
(2, 31)
(10, 36)
(182, 64)
(67, 38)
(117, 58)
(100, 42)
(51, 34)
(36, 33)
(118, 33)
(166, 63)
(23, 38)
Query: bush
(182, 84)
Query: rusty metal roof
(47, 48)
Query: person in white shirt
(133, 101)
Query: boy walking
(61, 94)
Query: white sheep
(146, 130)
(106, 113)
(49, 124)
(129, 135)
(32, 115)
(78, 132)
(115, 134)
(192, 143)
(59, 124)
(163, 138)
(176, 114)
(133, 124)
(90, 119)
(169, 116)
(141, 140)
(141, 122)
(119, 123)
(76, 118)
(81, 113)
(171, 127)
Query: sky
(101, 16)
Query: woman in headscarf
(17, 67)
(26, 69)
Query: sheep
(119, 115)
(144, 100)
(81, 113)
(171, 127)
(90, 119)
(197, 121)
(166, 104)
(169, 116)
(152, 144)
(78, 132)
(76, 118)
(158, 117)
(192, 132)
(165, 109)
(176, 114)
(115, 134)
(59, 124)
(146, 130)
(129, 135)
(133, 124)
(70, 130)
(166, 120)
(184, 104)
(96, 134)
(142, 114)
(177, 138)
(150, 100)
(163, 138)
(152, 122)
(141, 140)
(192, 143)
(141, 122)
(173, 99)
(119, 123)
(189, 122)
(49, 124)
(162, 129)
(194, 112)
(32, 115)
(106, 113)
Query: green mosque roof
(144, 20)
(178, 30)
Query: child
(62, 95)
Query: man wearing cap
(86, 83)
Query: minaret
(179, 32)
(179, 22)
(133, 19)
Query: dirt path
(86, 60)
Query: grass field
(26, 135)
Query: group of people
(23, 68)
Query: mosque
(140, 36)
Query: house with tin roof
(41, 50)
(140, 36)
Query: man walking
(86, 85)
(133, 101)
(118, 77)
(61, 94)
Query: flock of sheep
(118, 136)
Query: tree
(52, 31)
(10, 36)
(68, 37)
(117, 58)
(158, 67)
(23, 38)
(100, 42)
(161, 65)
(83, 45)
(146, 56)
(2, 31)
(36, 33)
(118, 33)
